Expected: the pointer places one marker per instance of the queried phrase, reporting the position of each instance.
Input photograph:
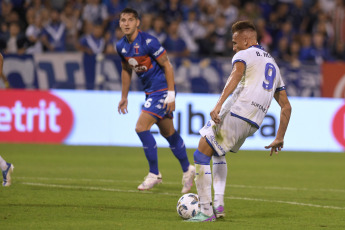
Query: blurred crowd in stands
(295, 31)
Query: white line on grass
(175, 194)
(174, 183)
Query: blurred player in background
(144, 54)
(2, 76)
(254, 81)
(6, 168)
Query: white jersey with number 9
(253, 95)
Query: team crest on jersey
(136, 48)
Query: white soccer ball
(188, 205)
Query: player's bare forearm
(164, 62)
(126, 75)
(285, 113)
(234, 78)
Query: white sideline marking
(173, 183)
(175, 194)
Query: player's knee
(200, 158)
(139, 128)
(167, 133)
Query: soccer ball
(188, 205)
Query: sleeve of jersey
(281, 85)
(155, 49)
(118, 49)
(239, 57)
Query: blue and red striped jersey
(142, 55)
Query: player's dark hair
(130, 11)
(242, 25)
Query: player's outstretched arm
(233, 80)
(126, 75)
(285, 114)
(169, 101)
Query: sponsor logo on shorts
(215, 143)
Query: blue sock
(201, 159)
(150, 149)
(178, 147)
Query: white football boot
(150, 181)
(187, 179)
(7, 175)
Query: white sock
(3, 164)
(220, 171)
(203, 182)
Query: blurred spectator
(45, 16)
(57, 4)
(323, 25)
(273, 25)
(264, 37)
(339, 21)
(143, 6)
(282, 12)
(319, 50)
(206, 44)
(38, 5)
(327, 5)
(95, 12)
(111, 44)
(16, 42)
(93, 43)
(189, 6)
(228, 10)
(249, 12)
(174, 44)
(172, 11)
(285, 31)
(158, 29)
(298, 16)
(54, 33)
(223, 42)
(339, 51)
(294, 52)
(306, 54)
(71, 18)
(282, 51)
(33, 33)
(146, 22)
(114, 8)
(190, 31)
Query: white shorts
(229, 135)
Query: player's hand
(122, 108)
(275, 146)
(169, 102)
(215, 114)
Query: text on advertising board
(34, 116)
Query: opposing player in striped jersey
(144, 54)
(254, 81)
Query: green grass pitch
(93, 187)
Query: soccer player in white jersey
(254, 81)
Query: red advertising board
(33, 116)
(333, 79)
